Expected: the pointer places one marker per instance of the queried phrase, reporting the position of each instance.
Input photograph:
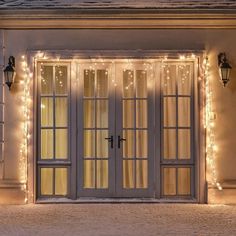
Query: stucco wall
(17, 42)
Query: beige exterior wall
(18, 42)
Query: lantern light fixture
(224, 68)
(10, 72)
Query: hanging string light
(211, 147)
(23, 162)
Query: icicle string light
(128, 65)
(211, 147)
(25, 126)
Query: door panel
(133, 129)
(95, 136)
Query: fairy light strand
(211, 147)
(25, 127)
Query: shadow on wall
(232, 82)
(16, 87)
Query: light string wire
(211, 147)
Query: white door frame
(198, 107)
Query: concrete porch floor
(117, 219)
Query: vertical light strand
(23, 163)
(211, 147)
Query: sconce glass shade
(10, 72)
(224, 69)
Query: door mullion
(119, 118)
(80, 135)
(135, 126)
(95, 106)
(73, 130)
(111, 130)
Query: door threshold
(112, 200)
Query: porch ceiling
(117, 14)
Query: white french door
(115, 159)
(96, 133)
(134, 120)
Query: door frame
(199, 94)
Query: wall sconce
(224, 68)
(10, 72)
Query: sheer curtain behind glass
(54, 128)
(135, 147)
(176, 90)
(95, 128)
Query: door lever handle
(110, 140)
(120, 140)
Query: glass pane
(184, 180)
(46, 79)
(128, 113)
(60, 79)
(102, 83)
(46, 144)
(184, 112)
(61, 112)
(128, 174)
(184, 144)
(169, 144)
(102, 174)
(89, 114)
(169, 112)
(89, 83)
(169, 181)
(128, 144)
(184, 80)
(141, 83)
(89, 143)
(141, 114)
(141, 144)
(128, 84)
(141, 174)
(102, 113)
(46, 181)
(46, 111)
(89, 174)
(102, 144)
(168, 81)
(61, 181)
(61, 144)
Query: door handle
(110, 140)
(120, 140)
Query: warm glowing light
(26, 100)
(211, 147)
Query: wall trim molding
(10, 183)
(111, 19)
(226, 184)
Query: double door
(115, 142)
